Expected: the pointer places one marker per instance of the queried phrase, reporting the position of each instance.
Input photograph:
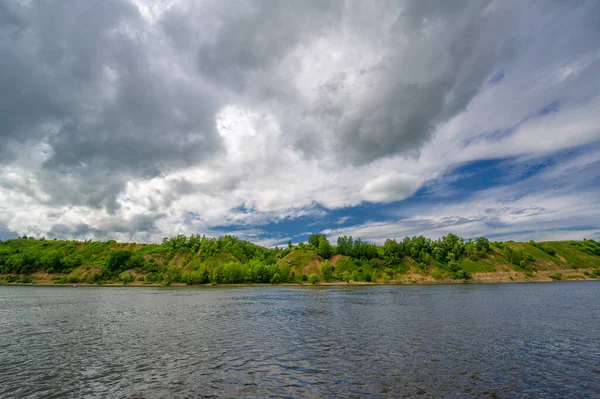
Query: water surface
(512, 340)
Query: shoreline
(321, 284)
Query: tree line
(228, 260)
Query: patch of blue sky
(456, 186)
(7, 234)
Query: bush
(313, 278)
(172, 275)
(327, 270)
(150, 278)
(276, 279)
(73, 279)
(118, 261)
(125, 278)
(304, 277)
(460, 275)
(556, 276)
(197, 277)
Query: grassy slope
(302, 261)
(570, 259)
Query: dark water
(521, 340)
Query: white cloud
(558, 203)
(366, 110)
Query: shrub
(118, 261)
(126, 278)
(460, 275)
(345, 276)
(172, 275)
(26, 280)
(72, 279)
(197, 277)
(327, 270)
(313, 278)
(438, 274)
(556, 276)
(150, 278)
(135, 261)
(304, 277)
(276, 279)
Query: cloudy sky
(270, 119)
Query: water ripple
(453, 341)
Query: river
(506, 340)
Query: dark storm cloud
(233, 39)
(88, 78)
(417, 85)
(145, 224)
(117, 98)
(99, 94)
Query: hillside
(228, 260)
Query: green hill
(228, 260)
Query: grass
(476, 267)
(302, 261)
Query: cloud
(556, 203)
(140, 119)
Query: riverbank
(319, 284)
(205, 262)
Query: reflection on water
(525, 340)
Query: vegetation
(228, 260)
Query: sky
(136, 120)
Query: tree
(327, 270)
(313, 278)
(324, 248)
(117, 261)
(315, 239)
(482, 243)
(345, 245)
(136, 261)
(52, 260)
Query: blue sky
(136, 120)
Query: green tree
(327, 270)
(324, 248)
(117, 261)
(136, 261)
(315, 239)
